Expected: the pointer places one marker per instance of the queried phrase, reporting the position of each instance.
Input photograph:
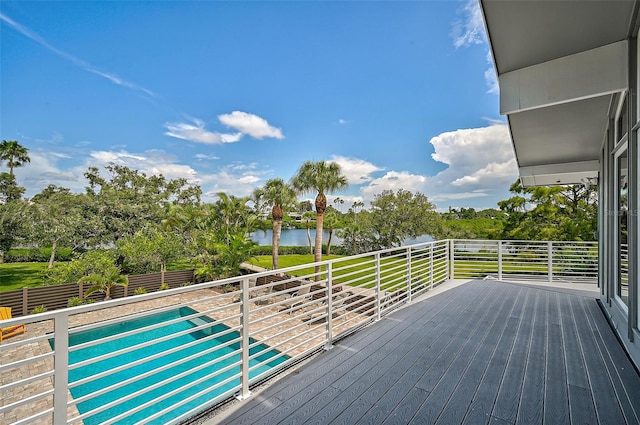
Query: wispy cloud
(205, 157)
(343, 121)
(73, 59)
(253, 125)
(491, 77)
(469, 29)
(196, 132)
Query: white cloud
(196, 132)
(494, 170)
(253, 125)
(357, 171)
(481, 165)
(238, 179)
(394, 180)
(343, 121)
(233, 179)
(479, 160)
(490, 76)
(205, 157)
(120, 158)
(468, 30)
(248, 179)
(43, 170)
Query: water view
(298, 237)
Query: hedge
(297, 250)
(36, 255)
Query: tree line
(139, 223)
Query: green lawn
(18, 275)
(357, 268)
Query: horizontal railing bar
(136, 346)
(28, 380)
(22, 362)
(32, 418)
(155, 356)
(26, 400)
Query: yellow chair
(5, 313)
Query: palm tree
(14, 153)
(320, 176)
(331, 220)
(281, 195)
(234, 215)
(308, 216)
(105, 282)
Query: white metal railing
(527, 260)
(197, 346)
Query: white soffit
(559, 63)
(603, 70)
(560, 174)
(568, 132)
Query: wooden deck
(484, 352)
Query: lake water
(298, 237)
(293, 237)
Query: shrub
(39, 309)
(140, 291)
(164, 286)
(91, 262)
(36, 255)
(296, 250)
(76, 301)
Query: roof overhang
(560, 66)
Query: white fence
(166, 356)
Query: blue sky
(230, 94)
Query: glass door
(622, 243)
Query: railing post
(499, 260)
(329, 342)
(60, 368)
(550, 261)
(25, 300)
(378, 303)
(244, 340)
(452, 259)
(410, 289)
(431, 265)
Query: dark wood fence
(22, 301)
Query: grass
(18, 275)
(360, 270)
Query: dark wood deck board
(556, 401)
(461, 398)
(604, 396)
(531, 408)
(506, 406)
(615, 359)
(413, 373)
(484, 352)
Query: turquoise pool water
(122, 359)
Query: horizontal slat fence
(23, 301)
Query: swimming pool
(187, 368)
